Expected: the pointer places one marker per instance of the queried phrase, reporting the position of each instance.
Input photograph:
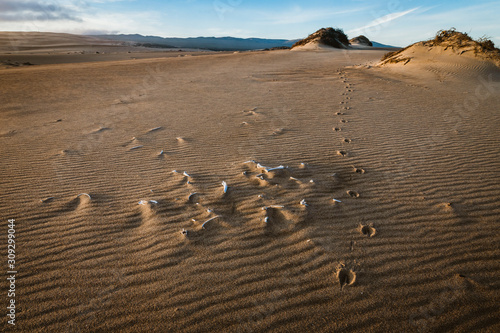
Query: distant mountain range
(207, 43)
(375, 44)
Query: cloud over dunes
(298, 14)
(385, 19)
(17, 11)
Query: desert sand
(42, 48)
(357, 197)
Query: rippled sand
(358, 199)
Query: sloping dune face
(438, 63)
(253, 192)
(447, 46)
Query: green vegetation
(458, 41)
(327, 36)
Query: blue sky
(395, 22)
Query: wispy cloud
(104, 1)
(75, 16)
(297, 14)
(384, 20)
(18, 10)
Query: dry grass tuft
(361, 39)
(327, 36)
(458, 42)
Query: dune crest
(448, 43)
(323, 38)
(360, 40)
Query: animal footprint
(359, 170)
(367, 230)
(81, 201)
(278, 219)
(337, 129)
(345, 276)
(353, 194)
(194, 198)
(342, 153)
(347, 140)
(448, 206)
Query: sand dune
(325, 38)
(39, 41)
(356, 198)
(21, 49)
(361, 41)
(449, 54)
